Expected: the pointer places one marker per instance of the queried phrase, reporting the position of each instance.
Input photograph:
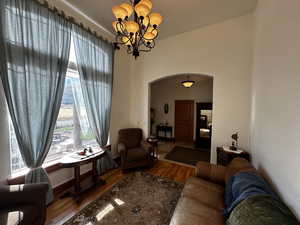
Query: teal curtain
(95, 64)
(35, 44)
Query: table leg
(77, 179)
(96, 179)
(94, 171)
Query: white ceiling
(179, 15)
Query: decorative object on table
(128, 202)
(166, 108)
(225, 155)
(134, 151)
(189, 156)
(188, 83)
(235, 138)
(139, 34)
(74, 160)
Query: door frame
(192, 116)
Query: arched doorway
(174, 114)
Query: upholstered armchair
(23, 204)
(133, 150)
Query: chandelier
(139, 34)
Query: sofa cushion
(242, 186)
(190, 211)
(207, 193)
(238, 165)
(262, 210)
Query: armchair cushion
(131, 137)
(136, 154)
(22, 214)
(22, 194)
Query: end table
(224, 157)
(154, 143)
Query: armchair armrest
(211, 172)
(23, 194)
(121, 147)
(145, 144)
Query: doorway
(184, 121)
(203, 125)
(172, 116)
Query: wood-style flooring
(63, 209)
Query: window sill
(50, 167)
(24, 171)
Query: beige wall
(275, 138)
(223, 51)
(166, 91)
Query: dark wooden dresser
(225, 157)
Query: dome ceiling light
(188, 83)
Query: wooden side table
(70, 162)
(154, 143)
(225, 157)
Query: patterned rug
(188, 155)
(138, 199)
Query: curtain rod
(71, 19)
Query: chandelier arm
(121, 26)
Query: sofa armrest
(23, 194)
(211, 172)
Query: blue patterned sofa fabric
(242, 186)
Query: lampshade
(142, 10)
(118, 27)
(149, 36)
(188, 83)
(155, 19)
(128, 8)
(119, 12)
(146, 21)
(153, 31)
(132, 27)
(148, 3)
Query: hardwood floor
(63, 209)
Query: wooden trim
(49, 169)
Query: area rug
(138, 199)
(188, 155)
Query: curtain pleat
(95, 64)
(35, 46)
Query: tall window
(72, 130)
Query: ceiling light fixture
(188, 83)
(140, 33)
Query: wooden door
(184, 120)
